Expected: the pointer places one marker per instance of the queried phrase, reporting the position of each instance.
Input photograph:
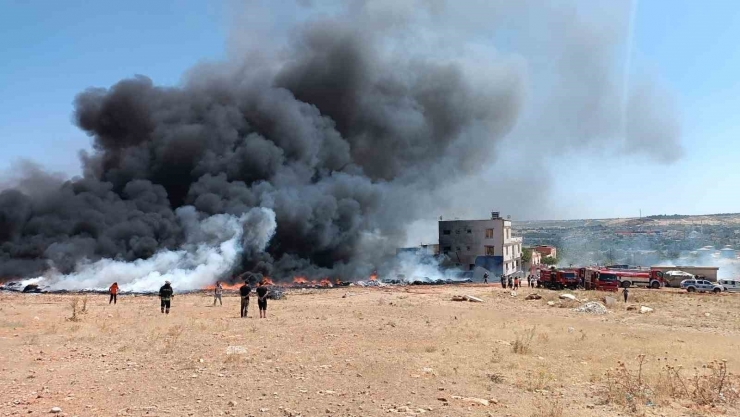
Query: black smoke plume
(338, 140)
(350, 130)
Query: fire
(325, 283)
(267, 281)
(300, 280)
(373, 277)
(224, 285)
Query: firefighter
(165, 295)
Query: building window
(489, 233)
(490, 251)
(468, 247)
(445, 232)
(470, 231)
(457, 232)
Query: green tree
(549, 260)
(526, 255)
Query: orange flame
(373, 277)
(300, 280)
(325, 283)
(267, 281)
(224, 285)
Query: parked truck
(638, 277)
(598, 279)
(557, 279)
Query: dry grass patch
(640, 387)
(523, 342)
(548, 409)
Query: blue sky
(53, 50)
(691, 47)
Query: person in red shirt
(113, 293)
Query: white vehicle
(701, 285)
(730, 284)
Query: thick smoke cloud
(348, 130)
(332, 139)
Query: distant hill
(727, 219)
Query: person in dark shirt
(244, 291)
(485, 277)
(165, 295)
(262, 299)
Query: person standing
(516, 282)
(485, 277)
(503, 282)
(625, 292)
(165, 295)
(113, 293)
(244, 291)
(262, 299)
(510, 282)
(217, 293)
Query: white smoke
(415, 266)
(212, 249)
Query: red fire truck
(638, 277)
(546, 277)
(568, 278)
(557, 279)
(599, 279)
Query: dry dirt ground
(370, 352)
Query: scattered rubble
(55, 410)
(567, 297)
(644, 310)
(467, 298)
(592, 307)
(371, 284)
(533, 296)
(609, 301)
(631, 308)
(473, 400)
(236, 350)
(276, 293)
(551, 303)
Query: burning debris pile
(320, 148)
(306, 160)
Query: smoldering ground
(346, 131)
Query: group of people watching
(513, 282)
(166, 292)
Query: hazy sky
(53, 50)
